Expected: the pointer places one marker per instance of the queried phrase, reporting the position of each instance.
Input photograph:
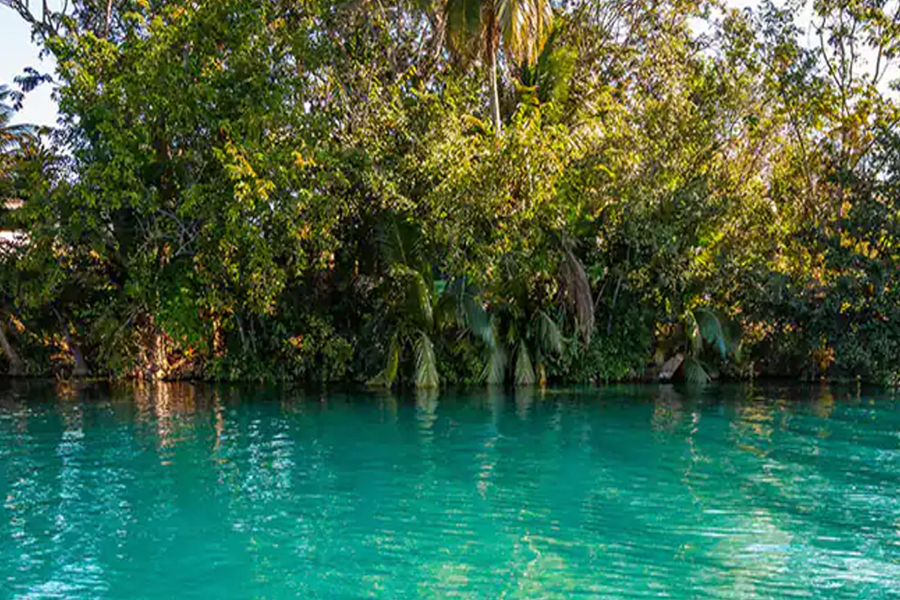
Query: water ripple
(626, 492)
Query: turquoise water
(623, 492)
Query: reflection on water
(623, 492)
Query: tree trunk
(80, 369)
(160, 359)
(670, 369)
(491, 51)
(16, 366)
(108, 18)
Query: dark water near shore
(622, 492)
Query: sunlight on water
(188, 491)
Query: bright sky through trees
(16, 53)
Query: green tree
(14, 140)
(13, 137)
(482, 28)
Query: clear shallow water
(624, 492)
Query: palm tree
(12, 137)
(418, 306)
(523, 336)
(481, 28)
(520, 344)
(14, 140)
(708, 329)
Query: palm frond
(548, 333)
(13, 137)
(421, 299)
(541, 24)
(541, 373)
(711, 328)
(494, 372)
(426, 363)
(525, 26)
(21, 131)
(446, 313)
(695, 373)
(524, 368)
(399, 240)
(692, 331)
(472, 311)
(574, 282)
(388, 375)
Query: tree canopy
(421, 193)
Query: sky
(16, 53)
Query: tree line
(424, 192)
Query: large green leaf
(399, 240)
(426, 363)
(421, 297)
(475, 315)
(548, 333)
(467, 308)
(694, 372)
(574, 282)
(553, 73)
(388, 375)
(712, 330)
(494, 372)
(524, 368)
(446, 313)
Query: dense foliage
(400, 192)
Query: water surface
(625, 492)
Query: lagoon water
(185, 491)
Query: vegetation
(422, 193)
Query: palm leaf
(388, 375)
(393, 361)
(472, 311)
(712, 330)
(525, 26)
(426, 363)
(399, 240)
(692, 331)
(446, 313)
(463, 307)
(574, 282)
(421, 299)
(524, 368)
(695, 373)
(494, 372)
(13, 137)
(541, 373)
(541, 25)
(549, 334)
